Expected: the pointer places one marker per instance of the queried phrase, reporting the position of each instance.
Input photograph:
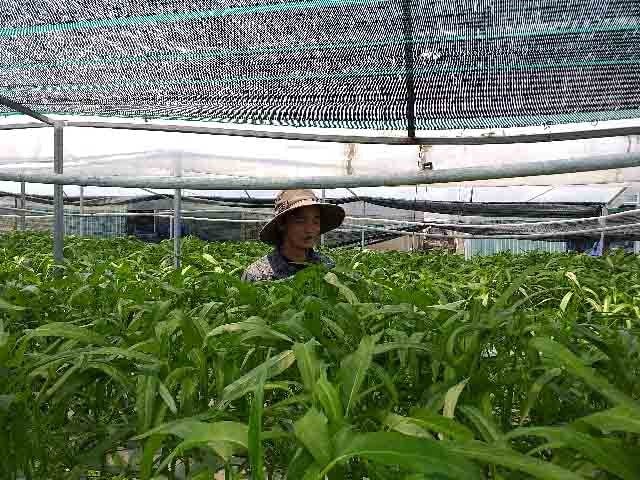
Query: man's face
(302, 227)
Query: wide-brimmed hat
(331, 216)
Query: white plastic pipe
(543, 167)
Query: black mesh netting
(388, 64)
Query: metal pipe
(362, 233)
(22, 126)
(636, 244)
(543, 167)
(322, 236)
(177, 205)
(477, 137)
(23, 204)
(603, 222)
(58, 199)
(7, 102)
(82, 219)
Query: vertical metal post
(81, 230)
(177, 206)
(603, 223)
(362, 231)
(636, 244)
(58, 200)
(23, 204)
(15, 205)
(322, 236)
(155, 222)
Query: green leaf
(308, 364)
(332, 279)
(255, 327)
(329, 398)
(451, 398)
(63, 379)
(617, 419)
(313, 433)
(562, 356)
(502, 300)
(428, 421)
(610, 457)
(247, 383)
(196, 430)
(145, 400)
(6, 306)
(256, 453)
(301, 463)
(353, 370)
(390, 346)
(535, 390)
(485, 427)
(121, 352)
(165, 394)
(112, 372)
(508, 458)
(414, 454)
(67, 330)
(565, 301)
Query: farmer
(300, 218)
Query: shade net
(375, 64)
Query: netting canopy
(376, 64)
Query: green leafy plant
(392, 366)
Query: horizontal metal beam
(485, 139)
(489, 138)
(544, 167)
(7, 102)
(23, 126)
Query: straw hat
(331, 216)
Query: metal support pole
(82, 219)
(58, 200)
(603, 223)
(23, 205)
(636, 244)
(177, 206)
(177, 210)
(155, 222)
(322, 236)
(362, 233)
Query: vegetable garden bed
(392, 366)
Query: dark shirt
(276, 266)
